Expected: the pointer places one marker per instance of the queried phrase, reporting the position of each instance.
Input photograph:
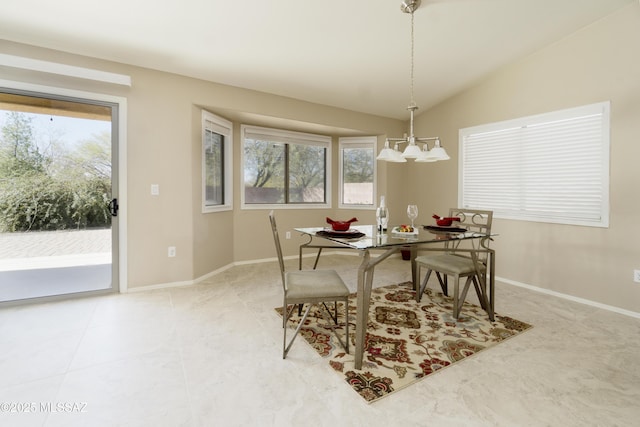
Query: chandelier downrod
(410, 6)
(412, 151)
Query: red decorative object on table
(341, 225)
(445, 222)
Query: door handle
(113, 207)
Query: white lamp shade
(438, 153)
(387, 154)
(411, 152)
(397, 157)
(424, 156)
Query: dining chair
(310, 287)
(456, 259)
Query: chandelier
(412, 150)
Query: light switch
(155, 190)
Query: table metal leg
(365, 283)
(492, 283)
(362, 307)
(414, 268)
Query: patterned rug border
(435, 309)
(445, 368)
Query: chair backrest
(276, 240)
(474, 220)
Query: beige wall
(163, 148)
(598, 63)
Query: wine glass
(412, 213)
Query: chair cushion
(314, 284)
(449, 264)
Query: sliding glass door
(58, 195)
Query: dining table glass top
(369, 237)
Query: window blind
(549, 168)
(283, 136)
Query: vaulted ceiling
(352, 54)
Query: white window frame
(286, 136)
(223, 127)
(369, 142)
(513, 167)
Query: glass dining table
(367, 238)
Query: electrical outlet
(636, 276)
(171, 252)
(287, 235)
(155, 190)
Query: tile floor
(210, 355)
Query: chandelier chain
(413, 103)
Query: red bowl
(446, 222)
(341, 225)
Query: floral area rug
(406, 341)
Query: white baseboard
(226, 267)
(354, 253)
(182, 283)
(569, 297)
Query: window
(357, 172)
(217, 181)
(551, 167)
(285, 168)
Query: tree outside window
(264, 170)
(49, 183)
(284, 168)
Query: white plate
(396, 230)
